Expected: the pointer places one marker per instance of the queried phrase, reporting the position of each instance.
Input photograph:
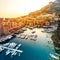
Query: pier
(11, 49)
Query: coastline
(56, 43)
(5, 39)
(12, 35)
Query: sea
(32, 50)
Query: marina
(50, 29)
(34, 45)
(29, 29)
(25, 36)
(11, 48)
(8, 37)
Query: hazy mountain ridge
(52, 7)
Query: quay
(5, 38)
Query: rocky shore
(56, 43)
(56, 38)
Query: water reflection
(34, 50)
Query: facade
(1, 27)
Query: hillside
(52, 7)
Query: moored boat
(54, 56)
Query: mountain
(52, 7)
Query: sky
(16, 8)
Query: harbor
(20, 33)
(11, 49)
(50, 29)
(27, 37)
(29, 30)
(34, 43)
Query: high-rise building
(5, 27)
(1, 27)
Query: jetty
(11, 49)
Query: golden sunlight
(14, 8)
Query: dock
(11, 49)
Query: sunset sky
(16, 8)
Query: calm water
(33, 50)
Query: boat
(1, 49)
(26, 37)
(9, 37)
(33, 31)
(18, 35)
(35, 36)
(47, 27)
(8, 52)
(21, 31)
(22, 36)
(24, 29)
(57, 48)
(6, 44)
(31, 28)
(34, 39)
(48, 31)
(57, 54)
(54, 56)
(12, 45)
(15, 52)
(18, 46)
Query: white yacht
(34, 39)
(22, 36)
(16, 52)
(6, 44)
(1, 49)
(24, 29)
(8, 52)
(57, 48)
(54, 56)
(18, 35)
(18, 46)
(12, 45)
(9, 37)
(26, 37)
